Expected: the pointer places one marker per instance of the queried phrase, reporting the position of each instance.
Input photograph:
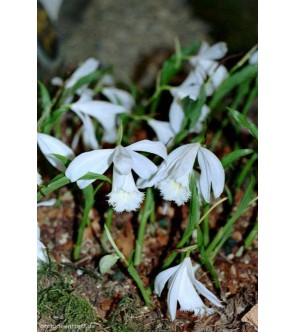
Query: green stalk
(132, 271)
(250, 238)
(143, 218)
(108, 222)
(89, 201)
(206, 226)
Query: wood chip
(251, 317)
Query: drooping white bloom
(174, 174)
(206, 66)
(104, 112)
(185, 289)
(124, 195)
(50, 145)
(86, 68)
(166, 131)
(87, 130)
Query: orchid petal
(181, 160)
(97, 161)
(110, 135)
(119, 97)
(142, 165)
(188, 297)
(199, 125)
(163, 131)
(216, 171)
(124, 195)
(104, 112)
(205, 292)
(176, 115)
(215, 52)
(50, 145)
(162, 278)
(218, 75)
(145, 145)
(174, 285)
(205, 180)
(88, 133)
(86, 68)
(122, 160)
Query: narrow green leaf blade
(233, 156)
(244, 122)
(95, 176)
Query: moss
(58, 303)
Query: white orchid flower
(185, 289)
(87, 130)
(104, 112)
(166, 131)
(205, 65)
(124, 196)
(174, 173)
(209, 53)
(86, 68)
(50, 145)
(119, 97)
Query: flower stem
(143, 218)
(108, 222)
(132, 271)
(89, 201)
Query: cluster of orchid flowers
(171, 177)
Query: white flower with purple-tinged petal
(41, 249)
(174, 174)
(185, 289)
(124, 195)
(49, 146)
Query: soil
(237, 269)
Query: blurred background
(136, 36)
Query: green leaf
(45, 97)
(235, 155)
(59, 181)
(244, 122)
(225, 232)
(233, 81)
(95, 176)
(66, 161)
(252, 235)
